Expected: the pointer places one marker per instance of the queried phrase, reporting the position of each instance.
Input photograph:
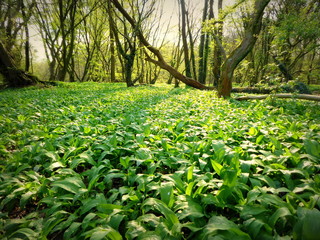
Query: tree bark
(250, 38)
(283, 69)
(184, 38)
(27, 40)
(112, 46)
(202, 72)
(217, 49)
(14, 77)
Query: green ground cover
(101, 161)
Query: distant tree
(296, 35)
(204, 42)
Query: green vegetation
(101, 161)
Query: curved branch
(161, 62)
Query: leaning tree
(230, 63)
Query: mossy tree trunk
(14, 77)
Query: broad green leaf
(144, 153)
(189, 188)
(312, 147)
(219, 223)
(189, 207)
(87, 220)
(249, 211)
(53, 156)
(25, 197)
(88, 204)
(108, 208)
(254, 226)
(163, 209)
(88, 158)
(71, 184)
(216, 166)
(74, 227)
(279, 213)
(229, 177)
(26, 232)
(100, 233)
(178, 182)
(190, 173)
(308, 224)
(166, 194)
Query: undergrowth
(101, 161)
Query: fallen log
(292, 96)
(252, 90)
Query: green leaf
(308, 225)
(254, 226)
(216, 166)
(25, 197)
(190, 173)
(26, 232)
(144, 154)
(166, 194)
(189, 188)
(253, 131)
(72, 229)
(189, 207)
(219, 223)
(279, 213)
(229, 177)
(71, 184)
(163, 209)
(312, 147)
(100, 233)
(87, 157)
(178, 182)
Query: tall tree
(218, 54)
(184, 37)
(112, 44)
(204, 41)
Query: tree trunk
(250, 38)
(202, 73)
(283, 69)
(192, 54)
(184, 38)
(27, 40)
(217, 49)
(112, 46)
(14, 77)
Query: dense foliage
(101, 161)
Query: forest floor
(102, 161)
